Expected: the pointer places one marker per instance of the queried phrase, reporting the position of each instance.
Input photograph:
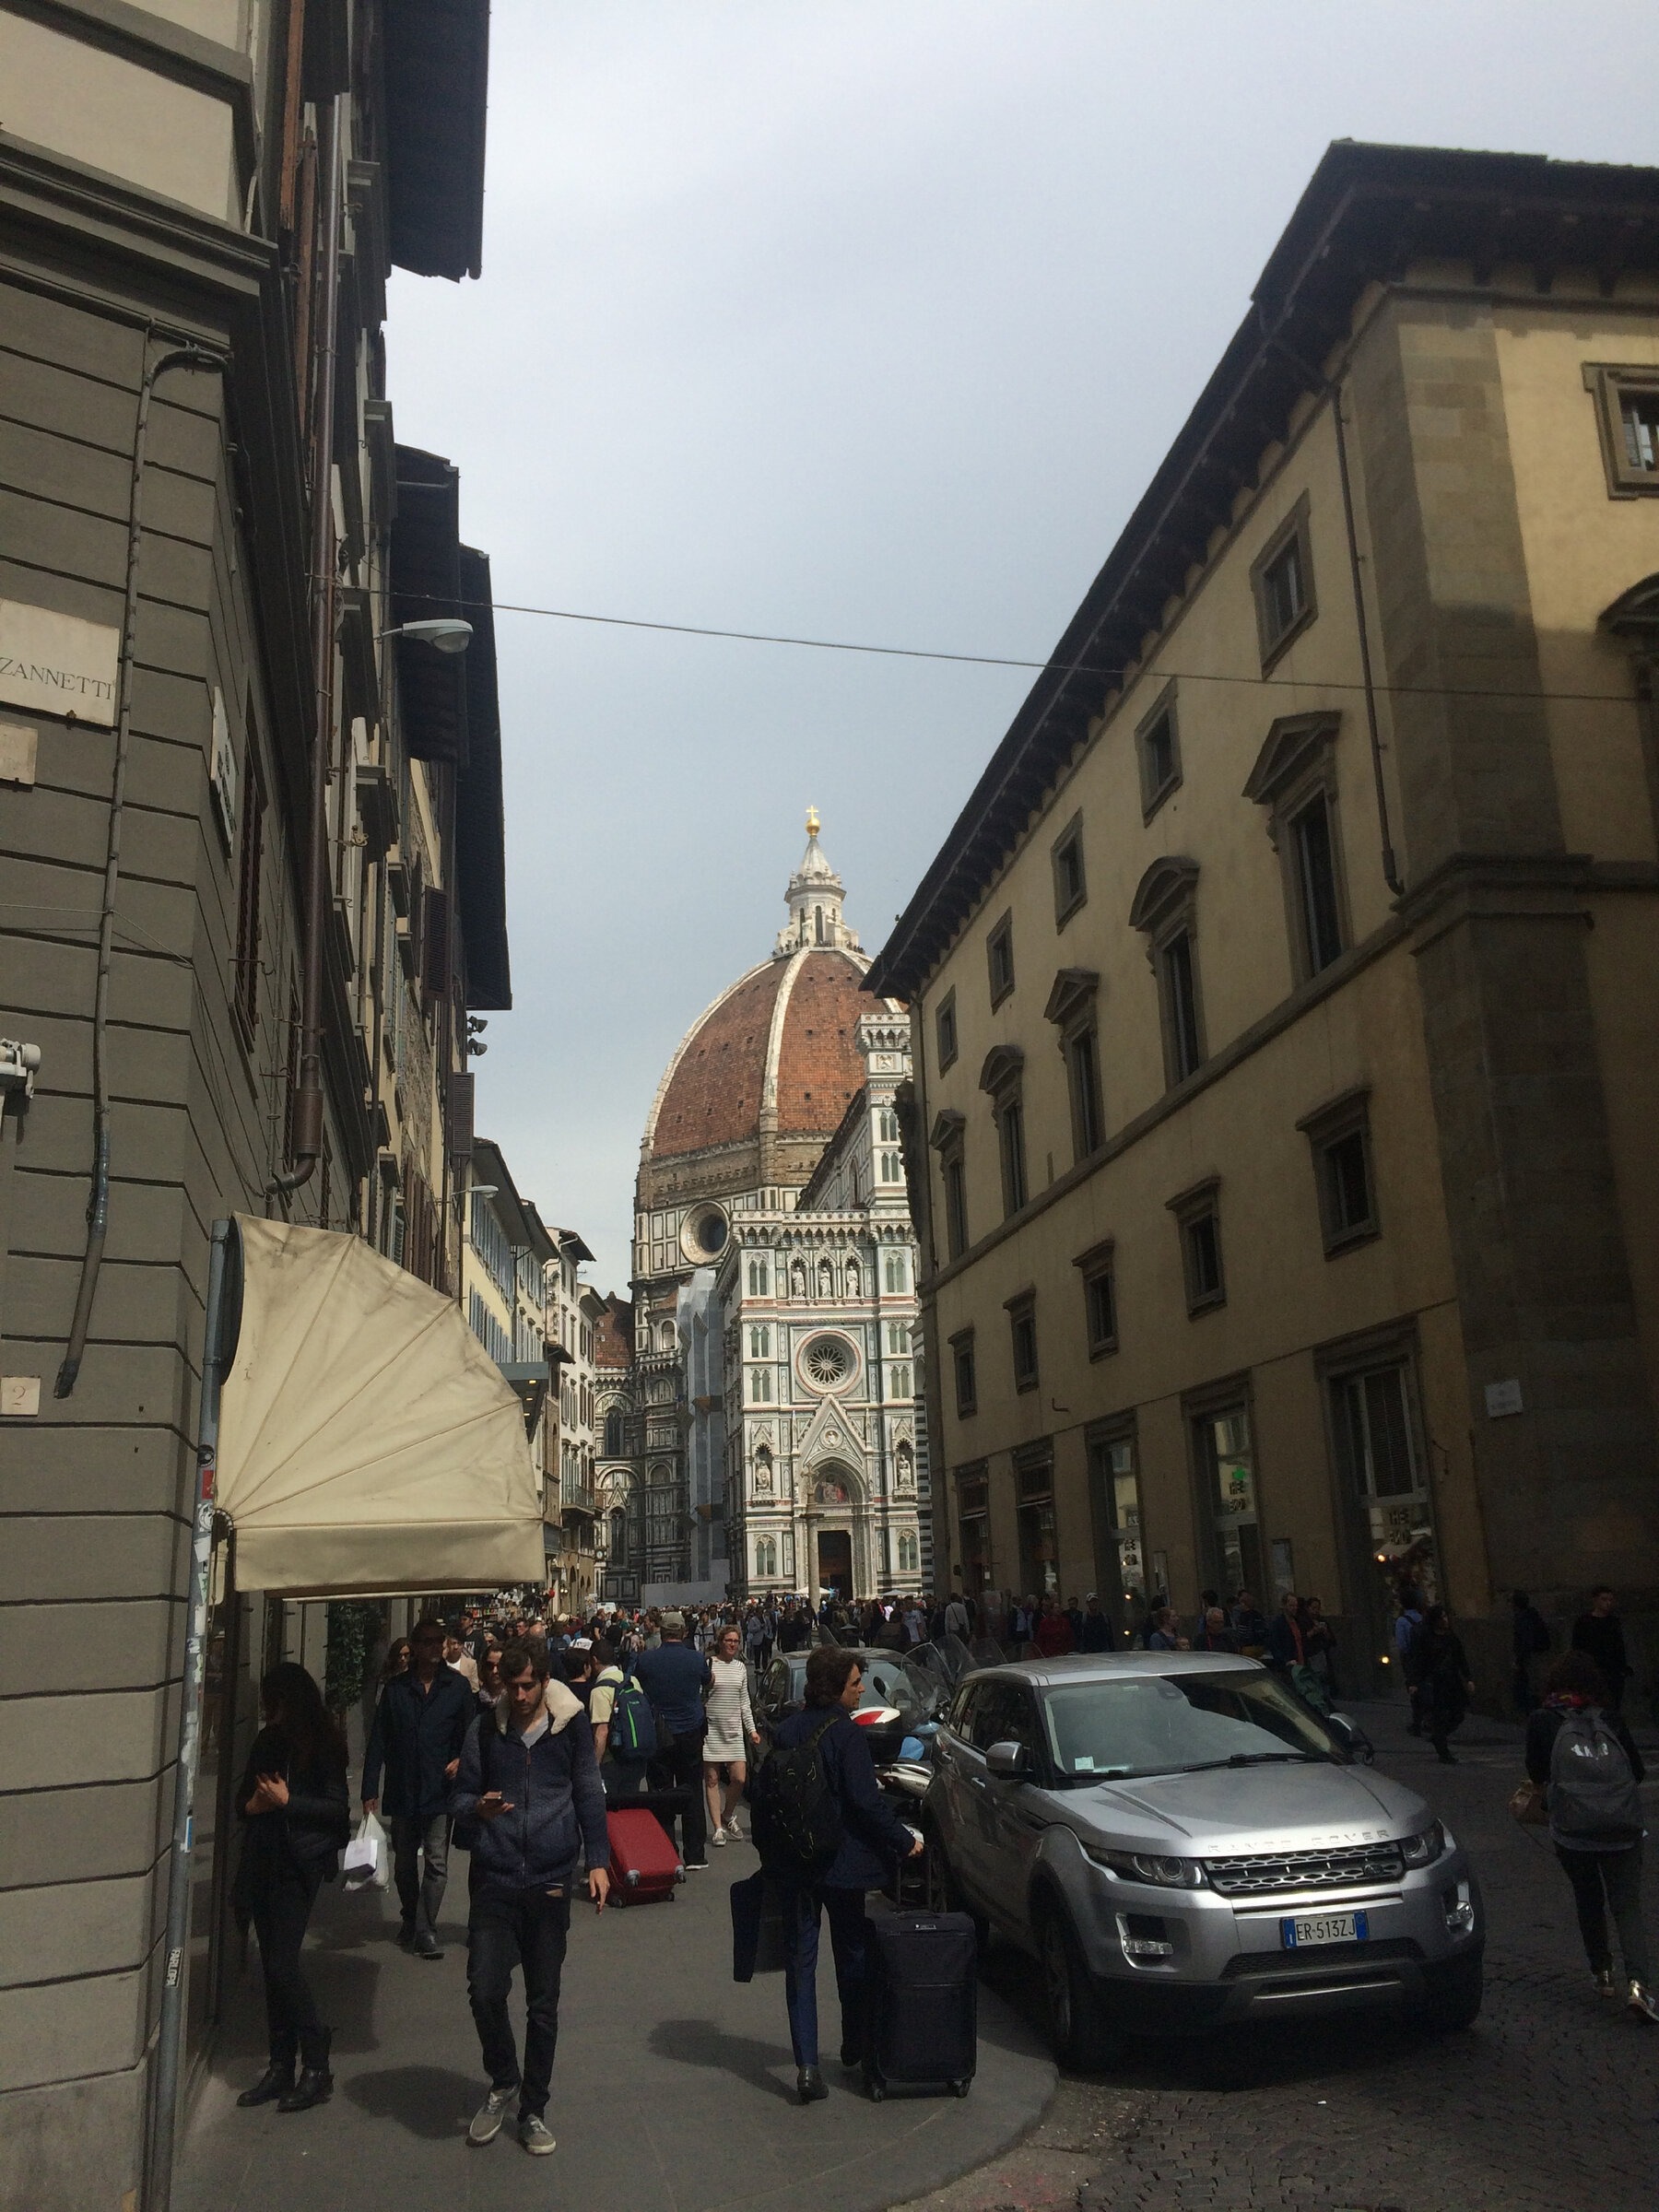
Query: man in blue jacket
(873, 1840)
(419, 1725)
(673, 1677)
(529, 1789)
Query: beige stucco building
(1284, 993)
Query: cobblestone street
(1547, 2104)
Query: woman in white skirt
(730, 1732)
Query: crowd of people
(507, 1733)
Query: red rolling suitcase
(644, 1864)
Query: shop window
(1039, 1535)
(1115, 1497)
(973, 1526)
(1225, 1458)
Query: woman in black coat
(1445, 1685)
(296, 1815)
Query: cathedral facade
(771, 1211)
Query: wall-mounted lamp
(447, 632)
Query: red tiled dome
(719, 1080)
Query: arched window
(817, 923)
(619, 1533)
(766, 1555)
(664, 1335)
(760, 1278)
(910, 1553)
(614, 1445)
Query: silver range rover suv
(1183, 1844)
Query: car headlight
(1150, 1867)
(1424, 1848)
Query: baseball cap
(674, 1624)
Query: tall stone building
(250, 890)
(762, 1084)
(826, 1484)
(1286, 1071)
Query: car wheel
(1076, 2027)
(1454, 2000)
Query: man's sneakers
(718, 1839)
(533, 2135)
(426, 1945)
(733, 1831)
(487, 2121)
(697, 1866)
(1643, 2003)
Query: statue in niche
(797, 1279)
(826, 1279)
(763, 1473)
(854, 1278)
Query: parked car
(889, 1681)
(1184, 1845)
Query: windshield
(887, 1681)
(1174, 1724)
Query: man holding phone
(529, 1797)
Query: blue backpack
(633, 1733)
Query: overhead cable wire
(998, 660)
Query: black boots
(315, 2085)
(278, 2080)
(810, 2086)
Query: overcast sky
(865, 321)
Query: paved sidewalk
(673, 2084)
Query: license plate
(1301, 1932)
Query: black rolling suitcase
(921, 2022)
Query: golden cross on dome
(812, 824)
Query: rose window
(827, 1362)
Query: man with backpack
(620, 1715)
(1583, 1753)
(825, 1834)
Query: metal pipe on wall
(219, 1348)
(306, 1127)
(98, 1198)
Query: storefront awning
(368, 1442)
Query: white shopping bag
(367, 1863)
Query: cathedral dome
(762, 1077)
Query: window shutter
(461, 1089)
(435, 944)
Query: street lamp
(447, 632)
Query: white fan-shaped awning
(367, 1441)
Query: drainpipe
(97, 1200)
(306, 1128)
(1332, 391)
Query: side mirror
(1009, 1762)
(1351, 1737)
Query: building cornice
(1369, 213)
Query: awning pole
(169, 2042)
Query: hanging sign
(57, 663)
